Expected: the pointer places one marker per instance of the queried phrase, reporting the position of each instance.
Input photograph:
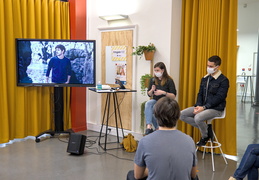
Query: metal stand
(59, 124)
(106, 115)
(250, 82)
(213, 145)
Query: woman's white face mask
(158, 74)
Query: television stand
(58, 116)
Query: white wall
(158, 22)
(248, 25)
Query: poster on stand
(116, 67)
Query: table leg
(119, 115)
(104, 113)
(115, 113)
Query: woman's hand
(153, 88)
(159, 92)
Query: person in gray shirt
(166, 153)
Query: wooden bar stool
(214, 143)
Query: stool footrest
(217, 145)
(212, 145)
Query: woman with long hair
(159, 86)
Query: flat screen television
(55, 62)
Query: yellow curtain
(28, 111)
(209, 28)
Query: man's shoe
(210, 132)
(148, 131)
(203, 141)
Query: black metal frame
(106, 114)
(58, 116)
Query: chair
(214, 143)
(242, 82)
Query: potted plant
(148, 51)
(144, 82)
(142, 115)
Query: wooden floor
(27, 160)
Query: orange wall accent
(78, 94)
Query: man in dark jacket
(211, 100)
(60, 66)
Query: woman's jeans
(249, 163)
(149, 113)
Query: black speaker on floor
(76, 144)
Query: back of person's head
(167, 112)
(215, 59)
(61, 47)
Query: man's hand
(198, 109)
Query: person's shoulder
(53, 58)
(205, 76)
(180, 132)
(170, 79)
(222, 77)
(150, 136)
(144, 140)
(183, 135)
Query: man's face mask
(211, 70)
